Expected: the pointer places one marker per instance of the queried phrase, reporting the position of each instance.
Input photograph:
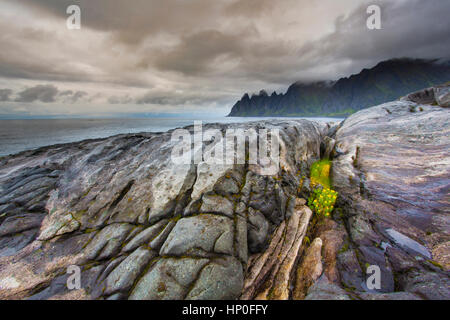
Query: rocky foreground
(141, 227)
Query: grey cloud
(203, 52)
(182, 99)
(225, 38)
(73, 97)
(120, 99)
(5, 94)
(66, 93)
(196, 53)
(48, 94)
(413, 28)
(42, 93)
(135, 21)
(251, 8)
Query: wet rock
(107, 242)
(12, 244)
(217, 204)
(159, 240)
(439, 95)
(57, 287)
(227, 185)
(124, 275)
(350, 273)
(392, 179)
(323, 289)
(327, 147)
(389, 296)
(408, 244)
(20, 223)
(268, 274)
(146, 236)
(222, 279)
(242, 244)
(168, 279)
(333, 237)
(309, 270)
(125, 213)
(208, 232)
(425, 96)
(373, 256)
(427, 285)
(290, 252)
(442, 96)
(258, 231)
(441, 254)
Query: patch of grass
(320, 173)
(322, 198)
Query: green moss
(322, 198)
(176, 218)
(356, 157)
(344, 248)
(320, 173)
(434, 263)
(306, 240)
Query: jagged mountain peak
(386, 81)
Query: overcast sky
(196, 56)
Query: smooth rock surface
(393, 178)
(137, 224)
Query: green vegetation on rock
(322, 198)
(320, 173)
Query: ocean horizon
(28, 134)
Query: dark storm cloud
(250, 8)
(5, 94)
(133, 21)
(413, 28)
(181, 99)
(47, 94)
(196, 53)
(120, 99)
(72, 97)
(201, 52)
(42, 93)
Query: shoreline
(146, 132)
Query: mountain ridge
(386, 81)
